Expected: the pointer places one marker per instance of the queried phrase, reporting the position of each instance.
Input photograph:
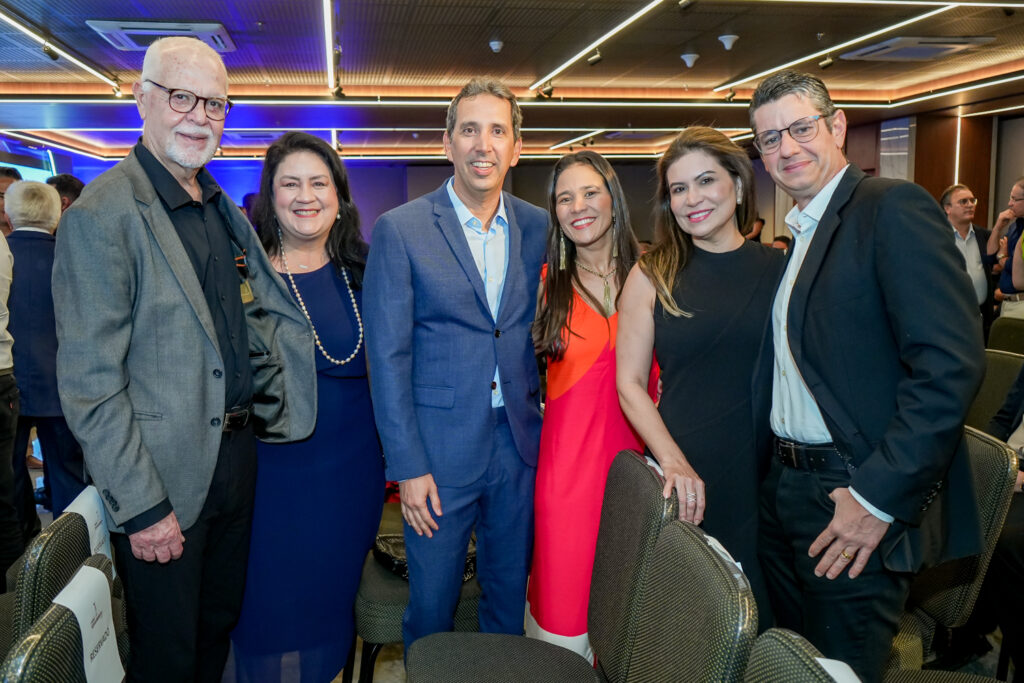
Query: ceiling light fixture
(683, 4)
(956, 152)
(994, 111)
(332, 78)
(731, 96)
(837, 48)
(597, 43)
(595, 58)
(827, 62)
(547, 90)
(44, 141)
(728, 40)
(905, 3)
(577, 138)
(689, 58)
(43, 42)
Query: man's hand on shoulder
(849, 539)
(161, 542)
(415, 493)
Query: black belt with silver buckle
(813, 457)
(237, 418)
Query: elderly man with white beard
(178, 347)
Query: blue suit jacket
(32, 324)
(433, 344)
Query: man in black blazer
(973, 242)
(868, 378)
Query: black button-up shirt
(204, 234)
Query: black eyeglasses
(801, 130)
(184, 101)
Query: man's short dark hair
(485, 86)
(784, 239)
(8, 172)
(789, 82)
(946, 198)
(67, 185)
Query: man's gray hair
(485, 86)
(789, 82)
(946, 198)
(152, 62)
(32, 204)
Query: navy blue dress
(318, 506)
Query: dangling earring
(561, 251)
(739, 192)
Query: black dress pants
(63, 463)
(853, 620)
(180, 614)
(11, 543)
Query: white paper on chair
(87, 595)
(839, 671)
(89, 505)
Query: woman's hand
(689, 487)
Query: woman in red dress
(591, 249)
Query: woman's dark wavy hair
(345, 245)
(555, 298)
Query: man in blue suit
(34, 209)
(449, 298)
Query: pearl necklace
(302, 305)
(609, 305)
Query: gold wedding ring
(846, 555)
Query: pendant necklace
(609, 305)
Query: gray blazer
(138, 365)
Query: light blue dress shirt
(490, 253)
(795, 413)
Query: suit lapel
(448, 222)
(515, 278)
(820, 243)
(167, 240)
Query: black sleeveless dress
(707, 365)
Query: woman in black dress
(698, 301)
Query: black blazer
(883, 324)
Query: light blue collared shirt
(490, 253)
(795, 413)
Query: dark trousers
(180, 614)
(62, 460)
(853, 620)
(11, 543)
(500, 506)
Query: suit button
(218, 374)
(497, 333)
(215, 422)
(494, 385)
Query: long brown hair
(555, 299)
(672, 246)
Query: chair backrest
(1001, 369)
(49, 652)
(48, 564)
(632, 516)
(1007, 334)
(781, 655)
(697, 619)
(947, 591)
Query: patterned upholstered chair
(50, 650)
(1001, 369)
(945, 594)
(781, 655)
(1007, 334)
(643, 578)
(381, 601)
(50, 561)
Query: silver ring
(691, 496)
